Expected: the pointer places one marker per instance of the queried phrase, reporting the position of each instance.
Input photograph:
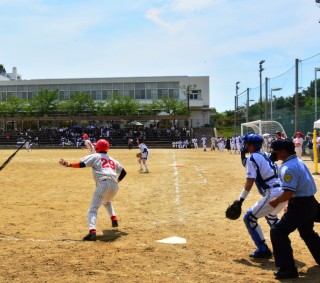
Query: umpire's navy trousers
(300, 215)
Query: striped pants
(103, 195)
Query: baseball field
(44, 217)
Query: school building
(193, 89)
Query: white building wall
(199, 107)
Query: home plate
(173, 240)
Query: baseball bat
(12, 155)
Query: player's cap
(283, 144)
(299, 133)
(278, 133)
(85, 136)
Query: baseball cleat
(140, 170)
(90, 237)
(114, 221)
(261, 254)
(286, 273)
(147, 171)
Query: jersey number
(107, 163)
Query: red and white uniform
(104, 170)
(89, 146)
(298, 145)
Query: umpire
(299, 189)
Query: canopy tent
(316, 124)
(135, 123)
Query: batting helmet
(85, 136)
(254, 139)
(102, 146)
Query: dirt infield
(44, 217)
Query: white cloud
(154, 15)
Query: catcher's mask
(102, 146)
(254, 139)
(281, 144)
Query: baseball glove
(233, 212)
(138, 155)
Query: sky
(222, 39)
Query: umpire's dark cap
(283, 144)
(278, 133)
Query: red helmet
(102, 146)
(85, 136)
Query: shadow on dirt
(111, 235)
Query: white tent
(316, 124)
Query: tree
(78, 103)
(12, 106)
(45, 102)
(173, 106)
(124, 106)
(153, 108)
(2, 69)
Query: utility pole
(315, 94)
(266, 110)
(296, 112)
(236, 107)
(260, 75)
(247, 106)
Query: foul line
(200, 175)
(177, 190)
(12, 238)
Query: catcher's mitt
(233, 212)
(138, 155)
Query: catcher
(263, 172)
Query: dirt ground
(44, 217)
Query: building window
(173, 85)
(106, 94)
(140, 94)
(152, 94)
(118, 86)
(140, 85)
(30, 95)
(106, 86)
(96, 94)
(195, 94)
(129, 86)
(151, 85)
(3, 96)
(163, 85)
(128, 93)
(163, 93)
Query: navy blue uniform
(301, 212)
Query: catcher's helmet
(254, 139)
(102, 146)
(85, 136)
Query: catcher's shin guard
(254, 230)
(272, 219)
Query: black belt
(276, 186)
